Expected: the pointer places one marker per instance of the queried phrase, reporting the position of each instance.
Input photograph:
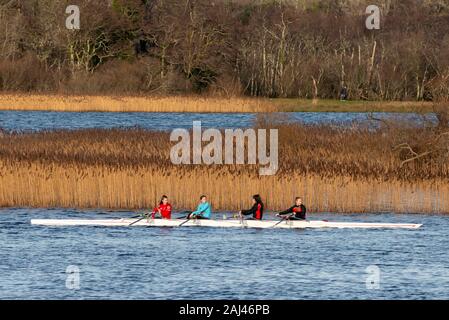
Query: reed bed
(133, 104)
(73, 103)
(334, 169)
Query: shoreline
(198, 104)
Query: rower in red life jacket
(256, 210)
(297, 212)
(164, 209)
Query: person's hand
(278, 215)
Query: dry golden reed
(41, 185)
(74, 103)
(334, 169)
(132, 104)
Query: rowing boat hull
(231, 223)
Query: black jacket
(299, 211)
(256, 211)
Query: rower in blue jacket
(204, 210)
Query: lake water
(209, 263)
(40, 120)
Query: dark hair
(203, 196)
(257, 198)
(297, 198)
(162, 198)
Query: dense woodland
(306, 49)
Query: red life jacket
(258, 214)
(165, 211)
(300, 212)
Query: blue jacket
(204, 209)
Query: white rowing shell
(231, 223)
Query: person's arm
(289, 210)
(204, 208)
(198, 210)
(250, 211)
(156, 209)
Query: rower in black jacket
(297, 212)
(256, 210)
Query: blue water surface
(46, 120)
(214, 263)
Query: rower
(297, 212)
(256, 210)
(164, 209)
(203, 211)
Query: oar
(184, 222)
(184, 213)
(282, 219)
(187, 220)
(138, 216)
(133, 223)
(241, 219)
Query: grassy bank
(197, 104)
(334, 169)
(323, 105)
